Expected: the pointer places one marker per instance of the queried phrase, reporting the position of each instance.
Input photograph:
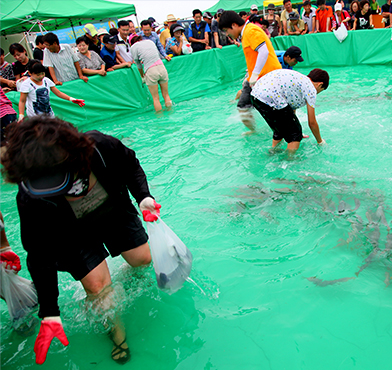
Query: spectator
(278, 94)
(35, 92)
(273, 20)
(243, 15)
(20, 54)
(108, 54)
(354, 7)
(254, 10)
(207, 17)
(296, 26)
(166, 34)
(174, 44)
(94, 43)
(386, 14)
(7, 78)
(113, 32)
(198, 33)
(323, 17)
(132, 31)
(363, 17)
(90, 62)
(123, 48)
(148, 34)
(152, 71)
(219, 36)
(63, 63)
(263, 24)
(374, 7)
(154, 23)
(289, 58)
(340, 17)
(309, 16)
(7, 116)
(38, 52)
(259, 55)
(284, 16)
(101, 33)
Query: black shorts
(4, 122)
(283, 122)
(118, 233)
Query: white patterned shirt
(284, 87)
(62, 62)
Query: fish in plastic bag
(172, 260)
(19, 293)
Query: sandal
(119, 350)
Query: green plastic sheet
(118, 95)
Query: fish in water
(323, 283)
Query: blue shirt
(155, 39)
(171, 42)
(109, 57)
(190, 33)
(280, 54)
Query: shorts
(245, 102)
(156, 74)
(118, 234)
(283, 122)
(4, 122)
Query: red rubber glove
(49, 329)
(11, 260)
(79, 102)
(149, 205)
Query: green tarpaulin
(245, 5)
(21, 15)
(116, 97)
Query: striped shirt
(95, 62)
(145, 52)
(5, 105)
(63, 63)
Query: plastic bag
(341, 33)
(19, 293)
(187, 48)
(172, 260)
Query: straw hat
(171, 18)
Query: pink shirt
(5, 105)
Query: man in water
(289, 58)
(259, 54)
(278, 94)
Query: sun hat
(102, 31)
(293, 16)
(49, 185)
(171, 18)
(178, 28)
(271, 6)
(90, 29)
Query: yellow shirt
(254, 37)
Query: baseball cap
(293, 16)
(90, 29)
(207, 15)
(220, 11)
(254, 7)
(338, 6)
(102, 31)
(109, 39)
(295, 52)
(49, 185)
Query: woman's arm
(22, 105)
(177, 50)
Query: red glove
(79, 102)
(11, 261)
(147, 205)
(49, 329)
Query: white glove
(20, 119)
(253, 79)
(322, 143)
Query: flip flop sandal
(118, 350)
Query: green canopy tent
(244, 5)
(19, 16)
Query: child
(35, 91)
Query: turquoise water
(279, 244)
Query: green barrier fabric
(120, 93)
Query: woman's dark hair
(16, 47)
(228, 18)
(242, 13)
(42, 143)
(172, 27)
(264, 22)
(135, 39)
(35, 66)
(351, 5)
(82, 39)
(362, 3)
(113, 31)
(146, 22)
(254, 18)
(51, 38)
(319, 75)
